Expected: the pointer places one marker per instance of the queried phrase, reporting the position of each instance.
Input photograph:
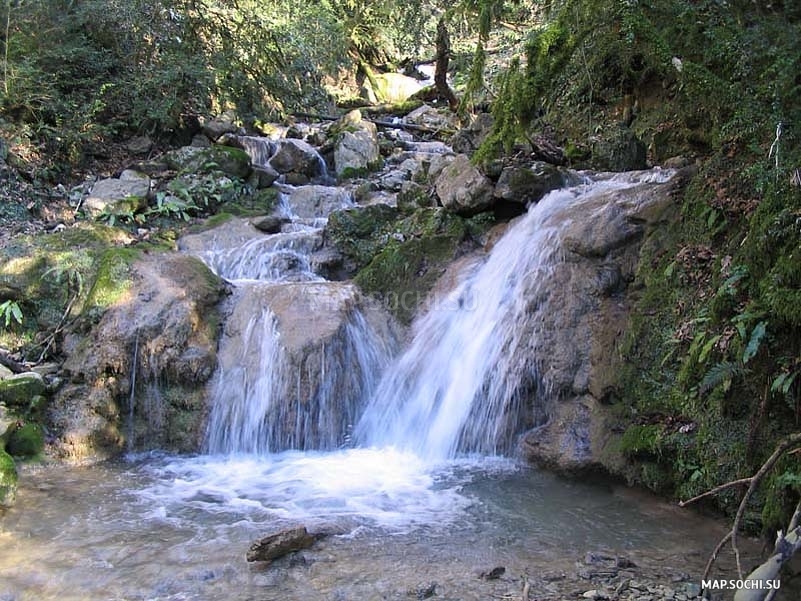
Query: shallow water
(160, 527)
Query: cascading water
(299, 364)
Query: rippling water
(160, 527)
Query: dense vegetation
(715, 345)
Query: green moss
(403, 273)
(113, 281)
(360, 233)
(8, 479)
(26, 440)
(19, 391)
(642, 440)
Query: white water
(469, 381)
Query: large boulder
(230, 161)
(356, 147)
(297, 362)
(147, 357)
(582, 311)
(463, 189)
(526, 185)
(390, 88)
(117, 197)
(618, 149)
(318, 201)
(297, 159)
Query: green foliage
(641, 440)
(10, 313)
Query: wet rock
(492, 574)
(318, 201)
(297, 157)
(117, 197)
(25, 440)
(263, 176)
(527, 185)
(463, 189)
(269, 224)
(279, 544)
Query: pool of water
(164, 527)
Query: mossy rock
(361, 232)
(8, 479)
(199, 161)
(113, 281)
(261, 202)
(19, 391)
(26, 440)
(404, 272)
(641, 440)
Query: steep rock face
(156, 340)
(296, 362)
(584, 312)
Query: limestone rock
(19, 390)
(297, 157)
(390, 88)
(356, 148)
(463, 189)
(169, 316)
(527, 185)
(318, 201)
(117, 196)
(280, 543)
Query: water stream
(397, 459)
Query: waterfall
(470, 380)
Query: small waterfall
(267, 398)
(470, 380)
(258, 148)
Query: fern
(722, 373)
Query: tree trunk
(441, 72)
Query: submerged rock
(280, 543)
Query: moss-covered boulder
(118, 197)
(157, 339)
(360, 233)
(618, 149)
(228, 160)
(19, 391)
(413, 257)
(8, 480)
(25, 440)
